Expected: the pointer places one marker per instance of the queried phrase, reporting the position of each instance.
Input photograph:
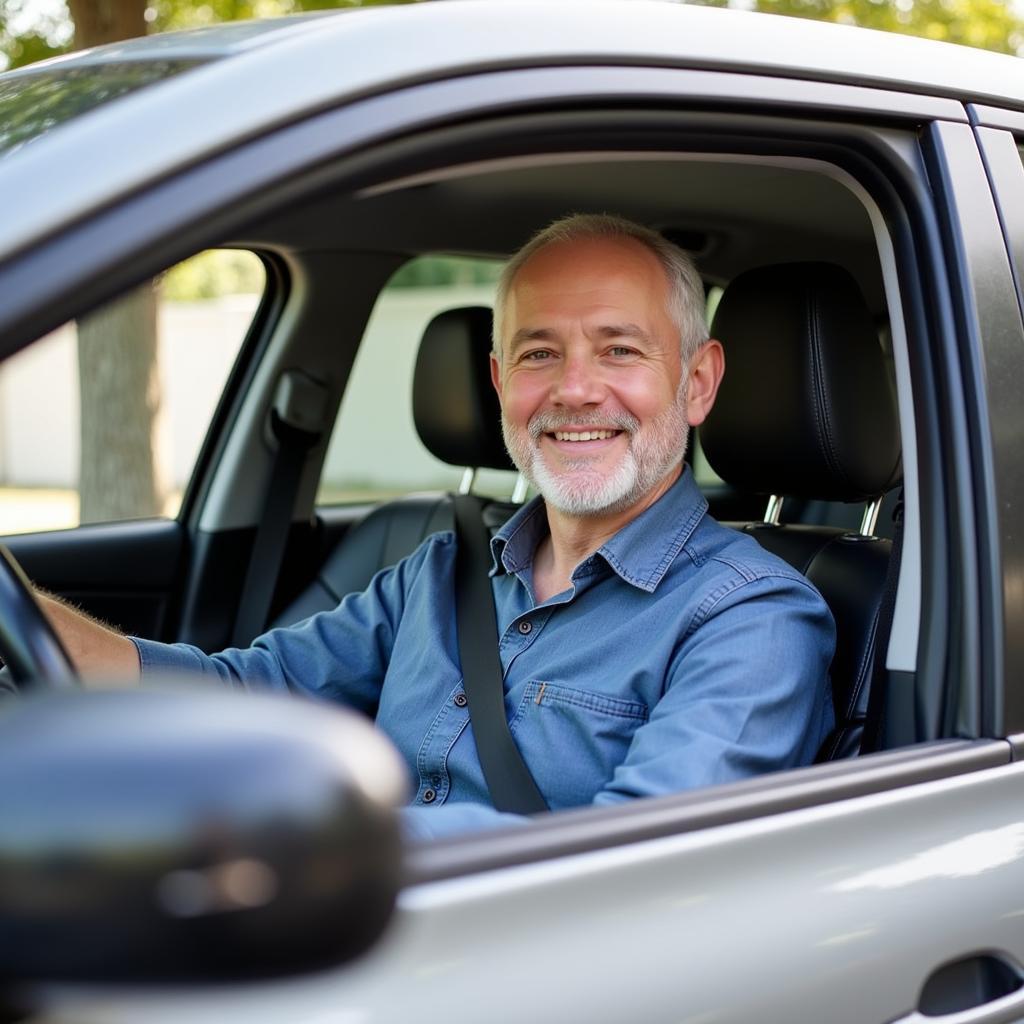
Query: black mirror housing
(178, 835)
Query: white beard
(578, 488)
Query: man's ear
(496, 374)
(706, 369)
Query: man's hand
(98, 652)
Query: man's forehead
(596, 278)
(583, 258)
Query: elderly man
(645, 648)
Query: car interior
(804, 445)
(807, 420)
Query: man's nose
(579, 382)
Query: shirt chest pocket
(572, 739)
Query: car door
(863, 890)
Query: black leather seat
(808, 409)
(458, 418)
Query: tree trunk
(117, 348)
(119, 402)
(106, 21)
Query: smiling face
(591, 380)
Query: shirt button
(525, 627)
(460, 700)
(429, 796)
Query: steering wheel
(28, 643)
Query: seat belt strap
(509, 781)
(296, 421)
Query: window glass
(103, 419)
(375, 452)
(33, 102)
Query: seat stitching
(820, 404)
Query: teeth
(583, 435)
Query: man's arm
(341, 655)
(96, 650)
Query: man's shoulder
(433, 556)
(729, 573)
(720, 550)
(433, 547)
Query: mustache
(550, 420)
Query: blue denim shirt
(682, 655)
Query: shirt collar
(640, 553)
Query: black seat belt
(296, 421)
(508, 778)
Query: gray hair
(686, 304)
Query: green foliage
(177, 14)
(435, 271)
(28, 48)
(989, 24)
(28, 34)
(214, 273)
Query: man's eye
(537, 355)
(621, 350)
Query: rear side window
(375, 452)
(103, 419)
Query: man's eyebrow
(627, 330)
(529, 334)
(624, 330)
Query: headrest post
(520, 490)
(774, 510)
(870, 519)
(468, 479)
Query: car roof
(479, 34)
(250, 76)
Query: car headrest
(807, 406)
(454, 405)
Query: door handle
(982, 989)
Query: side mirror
(187, 835)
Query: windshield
(32, 104)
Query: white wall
(375, 442)
(39, 394)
